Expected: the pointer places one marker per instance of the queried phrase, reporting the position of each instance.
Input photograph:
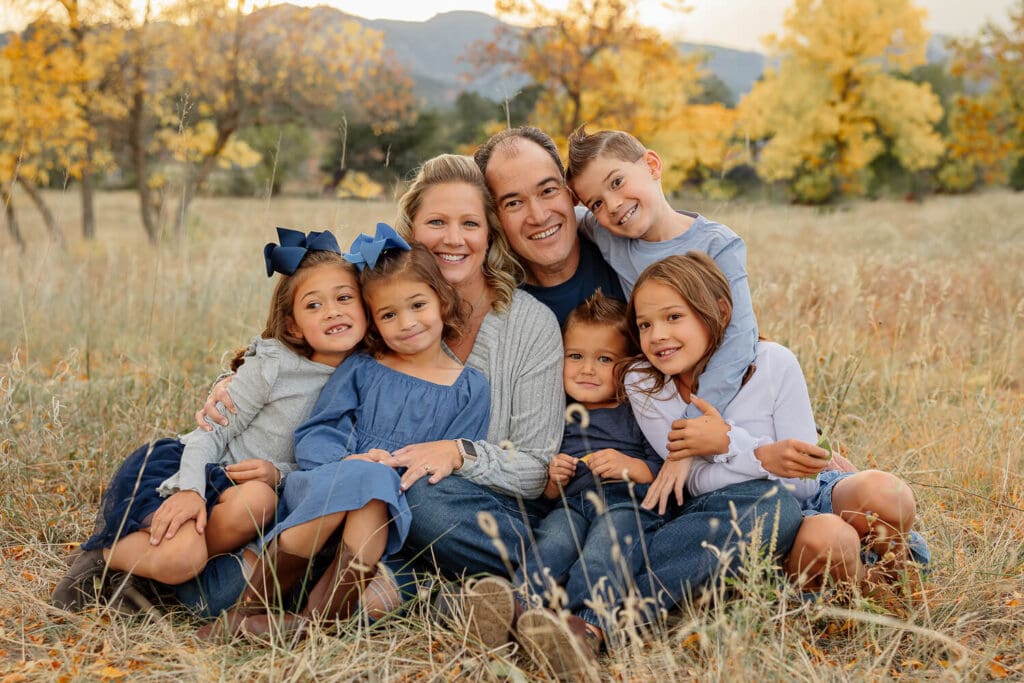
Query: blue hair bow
(366, 250)
(286, 257)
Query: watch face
(469, 447)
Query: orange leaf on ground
(110, 673)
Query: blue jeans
(216, 588)
(586, 545)
(684, 554)
(446, 532)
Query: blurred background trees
(214, 96)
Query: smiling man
(525, 174)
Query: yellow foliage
(832, 104)
(358, 185)
(596, 64)
(42, 120)
(987, 130)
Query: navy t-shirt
(609, 428)
(592, 273)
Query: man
(525, 174)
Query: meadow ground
(906, 318)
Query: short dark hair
(505, 138)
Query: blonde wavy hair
(502, 269)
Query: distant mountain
(738, 69)
(432, 49)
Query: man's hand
(219, 394)
(175, 511)
(705, 435)
(671, 479)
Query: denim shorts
(821, 503)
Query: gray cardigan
(520, 353)
(274, 391)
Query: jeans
(585, 544)
(704, 537)
(452, 528)
(216, 588)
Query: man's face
(534, 205)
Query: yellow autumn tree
(596, 64)
(235, 67)
(987, 129)
(832, 105)
(41, 123)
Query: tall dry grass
(906, 318)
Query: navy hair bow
(286, 257)
(366, 250)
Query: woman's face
(452, 224)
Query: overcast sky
(733, 23)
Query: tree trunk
(12, 219)
(88, 195)
(44, 211)
(195, 183)
(137, 142)
(88, 208)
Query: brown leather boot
(335, 596)
(276, 572)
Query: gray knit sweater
(520, 353)
(274, 392)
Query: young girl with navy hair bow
(177, 502)
(346, 505)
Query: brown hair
(507, 138)
(502, 269)
(416, 264)
(703, 286)
(599, 309)
(282, 301)
(585, 147)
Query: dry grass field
(907, 319)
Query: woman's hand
(372, 455)
(175, 511)
(705, 435)
(435, 459)
(254, 469)
(614, 465)
(792, 458)
(671, 479)
(219, 394)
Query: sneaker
(81, 586)
(560, 643)
(490, 608)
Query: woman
(515, 342)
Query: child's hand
(614, 465)
(841, 464)
(254, 469)
(792, 458)
(706, 435)
(561, 469)
(219, 394)
(175, 511)
(671, 479)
